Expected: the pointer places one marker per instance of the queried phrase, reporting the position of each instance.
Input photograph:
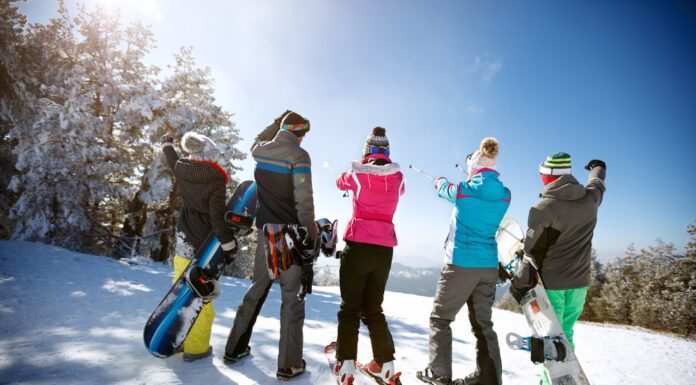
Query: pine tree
(594, 289)
(77, 154)
(13, 98)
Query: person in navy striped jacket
(284, 189)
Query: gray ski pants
(292, 311)
(474, 287)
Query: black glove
(503, 274)
(517, 294)
(166, 138)
(229, 256)
(594, 163)
(519, 254)
(523, 281)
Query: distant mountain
(402, 279)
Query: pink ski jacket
(376, 191)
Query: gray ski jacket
(559, 232)
(283, 177)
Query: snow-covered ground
(70, 318)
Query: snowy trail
(70, 318)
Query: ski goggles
(296, 127)
(379, 150)
(555, 171)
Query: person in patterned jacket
(284, 189)
(202, 188)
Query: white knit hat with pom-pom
(485, 157)
(200, 147)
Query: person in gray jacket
(559, 238)
(284, 189)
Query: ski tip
(325, 164)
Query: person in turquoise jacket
(471, 271)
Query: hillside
(70, 318)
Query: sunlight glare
(146, 9)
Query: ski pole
(461, 169)
(326, 164)
(421, 172)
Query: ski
(330, 351)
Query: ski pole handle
(326, 164)
(421, 172)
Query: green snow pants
(568, 305)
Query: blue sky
(610, 81)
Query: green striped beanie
(556, 164)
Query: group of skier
(558, 241)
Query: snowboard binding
(201, 284)
(240, 223)
(541, 348)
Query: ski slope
(71, 318)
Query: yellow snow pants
(198, 338)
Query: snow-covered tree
(75, 157)
(186, 104)
(594, 290)
(13, 97)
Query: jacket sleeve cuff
(229, 245)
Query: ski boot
(230, 359)
(188, 357)
(284, 374)
(345, 372)
(206, 288)
(429, 377)
(383, 373)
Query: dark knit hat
(556, 165)
(294, 122)
(376, 143)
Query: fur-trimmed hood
(368, 168)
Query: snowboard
(170, 322)
(538, 310)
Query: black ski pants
(364, 272)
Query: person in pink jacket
(377, 184)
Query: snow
(71, 318)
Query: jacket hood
(486, 185)
(379, 178)
(286, 137)
(369, 168)
(199, 172)
(566, 188)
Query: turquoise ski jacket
(479, 206)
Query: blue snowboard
(169, 324)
